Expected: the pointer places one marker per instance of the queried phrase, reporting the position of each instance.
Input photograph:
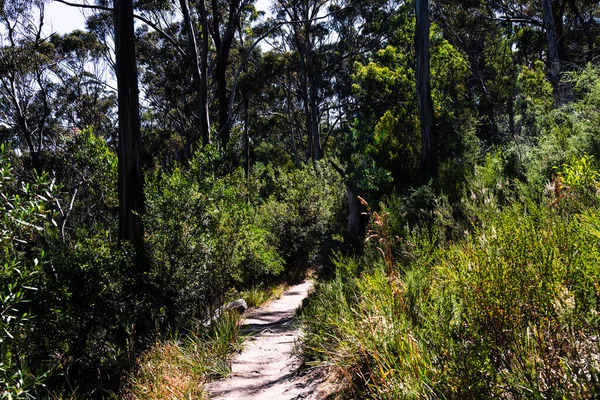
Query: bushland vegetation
(436, 163)
(493, 296)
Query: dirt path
(266, 368)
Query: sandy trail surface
(266, 368)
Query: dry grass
(167, 371)
(258, 296)
(179, 368)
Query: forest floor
(269, 367)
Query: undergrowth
(507, 310)
(258, 295)
(179, 367)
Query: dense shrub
(26, 218)
(564, 134)
(203, 238)
(97, 302)
(88, 305)
(86, 168)
(91, 314)
(303, 213)
(510, 311)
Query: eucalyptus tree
(553, 60)
(82, 98)
(224, 18)
(306, 33)
(199, 63)
(26, 59)
(429, 140)
(131, 178)
(269, 86)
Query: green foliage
(258, 295)
(388, 124)
(90, 313)
(26, 217)
(576, 185)
(86, 306)
(420, 209)
(302, 214)
(392, 125)
(510, 311)
(566, 133)
(208, 232)
(204, 237)
(535, 90)
(489, 280)
(490, 186)
(87, 169)
(580, 174)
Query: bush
(508, 312)
(97, 302)
(303, 213)
(86, 168)
(91, 314)
(566, 133)
(26, 217)
(203, 238)
(577, 184)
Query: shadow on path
(267, 368)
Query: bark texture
(356, 221)
(197, 68)
(553, 59)
(429, 141)
(131, 179)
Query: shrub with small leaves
(579, 181)
(26, 215)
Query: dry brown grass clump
(167, 371)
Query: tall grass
(258, 295)
(179, 368)
(510, 311)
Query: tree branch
(136, 16)
(277, 25)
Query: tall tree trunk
(246, 139)
(357, 224)
(306, 101)
(223, 45)
(198, 82)
(306, 67)
(558, 9)
(26, 133)
(131, 179)
(510, 110)
(204, 116)
(355, 229)
(553, 60)
(429, 155)
(314, 113)
(222, 98)
(290, 125)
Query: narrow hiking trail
(267, 368)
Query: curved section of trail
(267, 369)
